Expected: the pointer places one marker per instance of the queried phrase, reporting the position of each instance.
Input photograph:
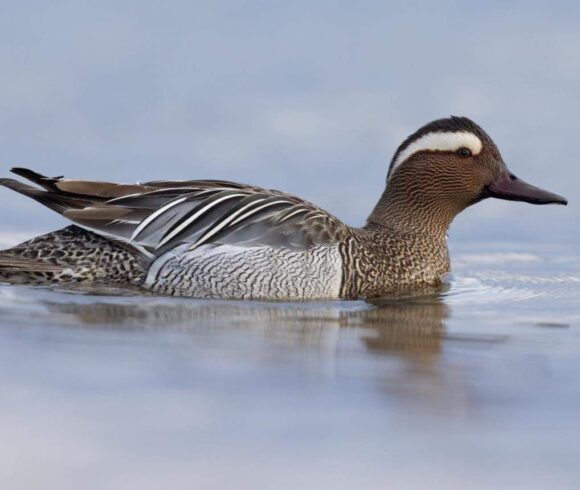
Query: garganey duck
(217, 239)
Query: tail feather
(54, 200)
(15, 264)
(43, 181)
(85, 203)
(96, 191)
(17, 269)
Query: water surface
(475, 383)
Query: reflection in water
(397, 343)
(446, 378)
(412, 325)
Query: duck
(224, 240)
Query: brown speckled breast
(376, 262)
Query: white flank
(174, 271)
(440, 141)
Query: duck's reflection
(410, 325)
(398, 343)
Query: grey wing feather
(159, 215)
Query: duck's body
(327, 261)
(215, 239)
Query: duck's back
(208, 239)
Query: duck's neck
(412, 212)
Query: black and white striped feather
(157, 216)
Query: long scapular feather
(155, 216)
(230, 219)
(147, 221)
(291, 214)
(200, 211)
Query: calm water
(474, 384)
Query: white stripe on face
(440, 141)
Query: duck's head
(448, 165)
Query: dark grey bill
(510, 188)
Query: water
(474, 385)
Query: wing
(156, 216)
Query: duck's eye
(463, 152)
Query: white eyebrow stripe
(440, 141)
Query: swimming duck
(217, 239)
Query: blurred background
(308, 97)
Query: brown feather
(97, 213)
(106, 190)
(116, 210)
(24, 264)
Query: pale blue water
(472, 386)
